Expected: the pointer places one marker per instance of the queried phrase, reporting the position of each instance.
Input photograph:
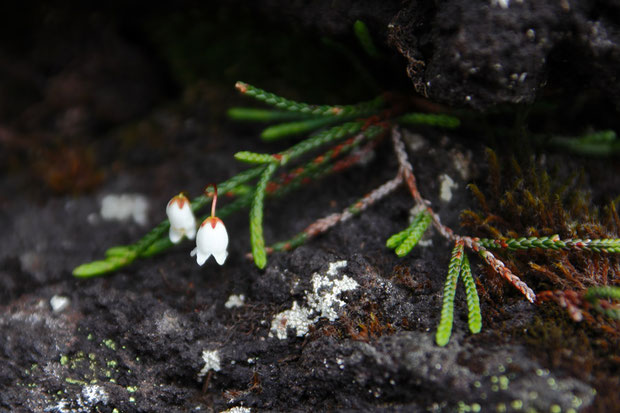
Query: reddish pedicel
(212, 220)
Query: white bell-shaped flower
(212, 239)
(181, 217)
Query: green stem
(474, 316)
(444, 329)
(256, 218)
(320, 110)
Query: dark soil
(103, 102)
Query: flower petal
(220, 257)
(191, 231)
(175, 235)
(202, 258)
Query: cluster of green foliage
(346, 128)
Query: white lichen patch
(333, 268)
(446, 185)
(237, 409)
(59, 303)
(93, 394)
(425, 242)
(462, 163)
(414, 141)
(124, 207)
(61, 406)
(325, 294)
(504, 4)
(296, 318)
(235, 301)
(322, 302)
(212, 362)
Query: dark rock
(339, 324)
(485, 53)
(507, 51)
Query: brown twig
(406, 170)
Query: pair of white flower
(211, 238)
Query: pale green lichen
(503, 382)
(109, 343)
(466, 408)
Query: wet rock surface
(340, 323)
(484, 53)
(158, 336)
(507, 51)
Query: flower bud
(212, 239)
(181, 217)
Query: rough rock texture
(339, 324)
(157, 336)
(483, 53)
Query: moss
(82, 368)
(522, 199)
(583, 350)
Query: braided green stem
(474, 316)
(323, 138)
(404, 241)
(606, 292)
(595, 294)
(431, 119)
(320, 110)
(284, 130)
(444, 329)
(262, 115)
(609, 245)
(599, 144)
(418, 228)
(253, 157)
(324, 164)
(256, 218)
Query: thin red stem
(214, 202)
(406, 171)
